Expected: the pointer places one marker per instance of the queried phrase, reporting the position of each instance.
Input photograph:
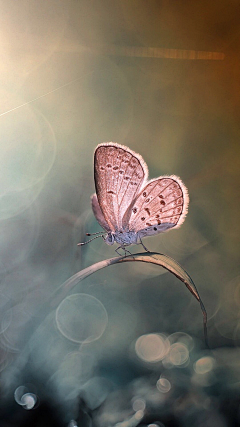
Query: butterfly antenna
(93, 234)
(81, 244)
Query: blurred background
(126, 347)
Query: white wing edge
(125, 148)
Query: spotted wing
(98, 213)
(162, 204)
(119, 175)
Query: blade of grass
(62, 291)
(150, 257)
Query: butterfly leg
(116, 250)
(125, 251)
(144, 247)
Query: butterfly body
(128, 206)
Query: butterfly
(128, 206)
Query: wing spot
(102, 168)
(143, 218)
(144, 194)
(127, 178)
(148, 223)
(159, 222)
(115, 168)
(160, 196)
(109, 166)
(121, 172)
(147, 210)
(111, 192)
(157, 216)
(177, 211)
(162, 203)
(147, 200)
(155, 228)
(134, 210)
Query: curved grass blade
(150, 257)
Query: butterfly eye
(109, 239)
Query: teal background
(62, 93)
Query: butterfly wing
(119, 175)
(98, 213)
(161, 205)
